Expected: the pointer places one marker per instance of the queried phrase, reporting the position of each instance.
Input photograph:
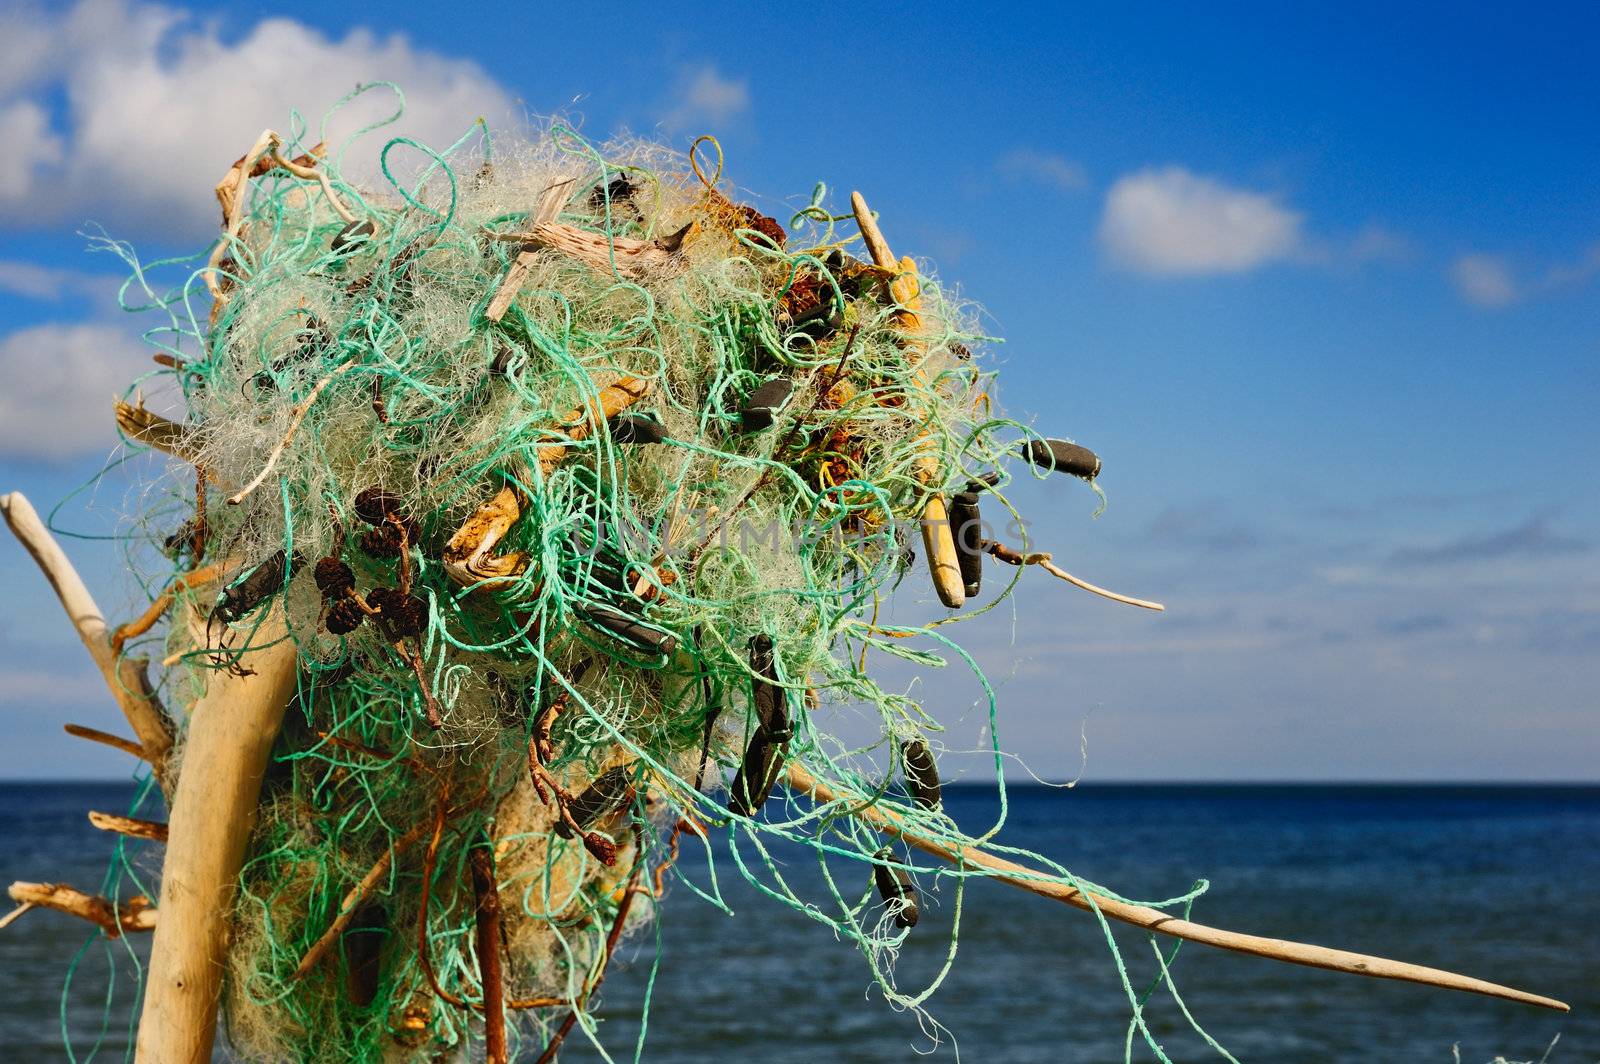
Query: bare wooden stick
(351, 904)
(1015, 557)
(15, 914)
(133, 915)
(95, 735)
(230, 735)
(871, 235)
(628, 256)
(547, 210)
(133, 827)
(938, 539)
(486, 890)
(1338, 960)
(153, 430)
(125, 676)
(147, 620)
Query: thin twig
(480, 861)
(301, 409)
(230, 194)
(95, 735)
(548, 209)
(603, 849)
(308, 173)
(1015, 557)
(197, 545)
(424, 954)
(351, 904)
(163, 602)
(11, 917)
(889, 822)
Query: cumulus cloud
(32, 281)
(27, 47)
(1044, 168)
(1174, 222)
(60, 380)
(704, 96)
(30, 147)
(158, 104)
(1491, 281)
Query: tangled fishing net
(579, 486)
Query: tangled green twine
(375, 365)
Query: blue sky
(1319, 284)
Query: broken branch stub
(135, 914)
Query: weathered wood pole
(229, 739)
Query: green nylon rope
(404, 383)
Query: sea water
(1494, 881)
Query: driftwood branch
(1338, 960)
(125, 676)
(938, 539)
(230, 736)
(95, 735)
(547, 210)
(133, 915)
(133, 827)
(153, 430)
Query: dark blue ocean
(1499, 882)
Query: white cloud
(1172, 221)
(32, 281)
(1044, 167)
(59, 383)
(704, 97)
(1491, 281)
(158, 106)
(1376, 243)
(29, 146)
(1485, 280)
(27, 47)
